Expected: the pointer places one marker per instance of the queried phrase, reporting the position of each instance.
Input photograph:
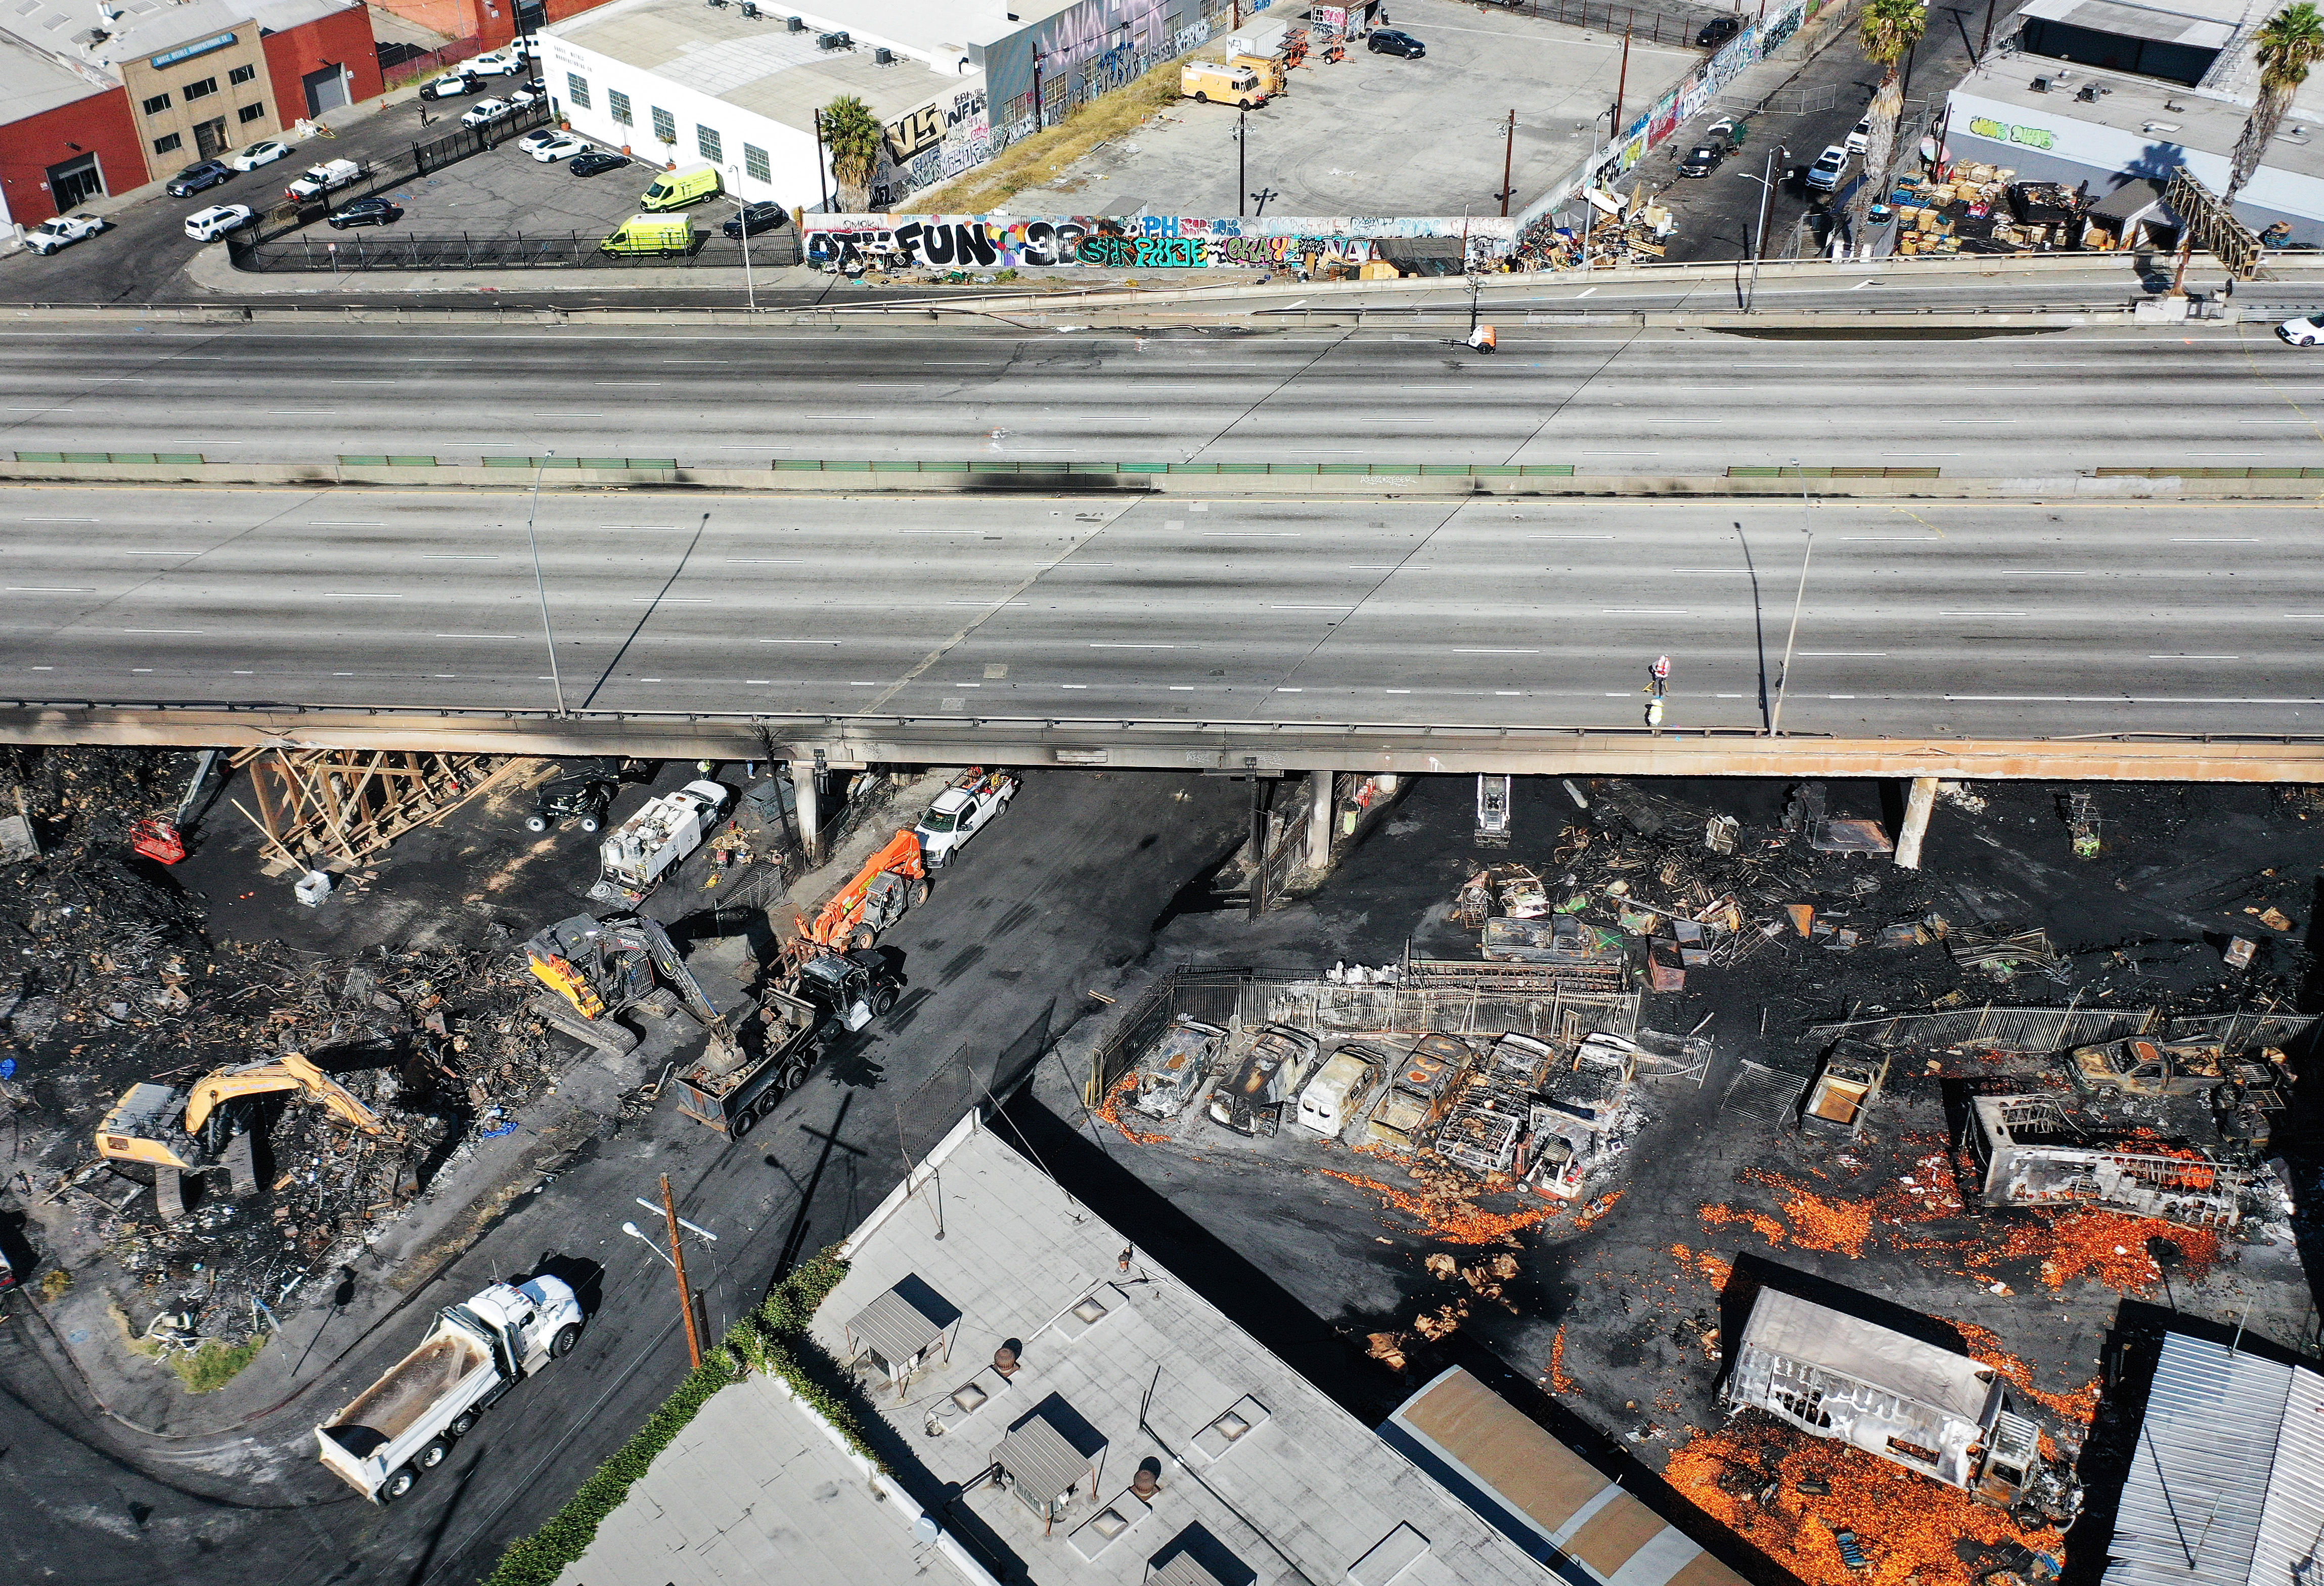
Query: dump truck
(891, 882)
(601, 968)
(157, 1134)
(402, 1425)
(644, 848)
(731, 1091)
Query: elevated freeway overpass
(2008, 603)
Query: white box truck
(664, 831)
(402, 1425)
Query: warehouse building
(2112, 96)
(681, 82)
(101, 99)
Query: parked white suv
(206, 225)
(499, 63)
(1824, 175)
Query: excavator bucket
(559, 976)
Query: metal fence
(337, 253)
(1647, 27)
(2051, 1029)
(1242, 997)
(380, 174)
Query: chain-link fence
(2052, 1030)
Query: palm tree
(2289, 43)
(1888, 29)
(853, 135)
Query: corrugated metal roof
(2227, 1484)
(895, 1329)
(1043, 1464)
(1184, 1570)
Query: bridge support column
(1922, 799)
(1319, 818)
(808, 787)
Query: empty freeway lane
(1929, 619)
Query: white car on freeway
(562, 147)
(260, 153)
(485, 112)
(206, 225)
(61, 231)
(2303, 332)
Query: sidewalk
(407, 1270)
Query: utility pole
(1621, 86)
(677, 1261)
(1509, 158)
(1242, 162)
(822, 184)
(1985, 42)
(1036, 90)
(1767, 206)
(743, 219)
(541, 588)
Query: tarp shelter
(1422, 256)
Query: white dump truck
(664, 831)
(402, 1425)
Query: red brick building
(103, 101)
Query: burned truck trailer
(1929, 1409)
(2030, 1152)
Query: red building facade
(92, 136)
(320, 65)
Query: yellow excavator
(156, 1133)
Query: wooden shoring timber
(324, 806)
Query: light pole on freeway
(1783, 680)
(540, 586)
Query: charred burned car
(1177, 1067)
(1250, 1100)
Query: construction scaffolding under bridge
(323, 807)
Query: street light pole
(1766, 204)
(822, 183)
(1783, 681)
(540, 587)
(743, 219)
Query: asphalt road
(1974, 619)
(1604, 398)
(1045, 903)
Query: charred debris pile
(110, 986)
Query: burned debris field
(2024, 1105)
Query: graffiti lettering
(911, 135)
(1145, 242)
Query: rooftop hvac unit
(834, 41)
(797, 25)
(884, 57)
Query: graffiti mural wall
(1138, 241)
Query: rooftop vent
(884, 57)
(1214, 1440)
(797, 25)
(1089, 1310)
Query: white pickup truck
(61, 231)
(957, 813)
(318, 180)
(662, 831)
(402, 1425)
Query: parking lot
(1349, 139)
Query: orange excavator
(893, 880)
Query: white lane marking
(1073, 685)
(1584, 292)
(1643, 611)
(1843, 652)
(985, 603)
(1395, 691)
(1282, 690)
(670, 600)
(1182, 687)
(2111, 699)
(57, 520)
(1251, 534)
(1507, 694)
(450, 556)
(798, 641)
(305, 413)
(343, 524)
(1571, 536)
(1706, 569)
(566, 415)
(161, 629)
(357, 595)
(449, 636)
(162, 553)
(1886, 539)
(1309, 608)
(362, 383)
(1497, 652)
(50, 589)
(2194, 658)
(2193, 539)
(1919, 454)
(1095, 645)
(1984, 613)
